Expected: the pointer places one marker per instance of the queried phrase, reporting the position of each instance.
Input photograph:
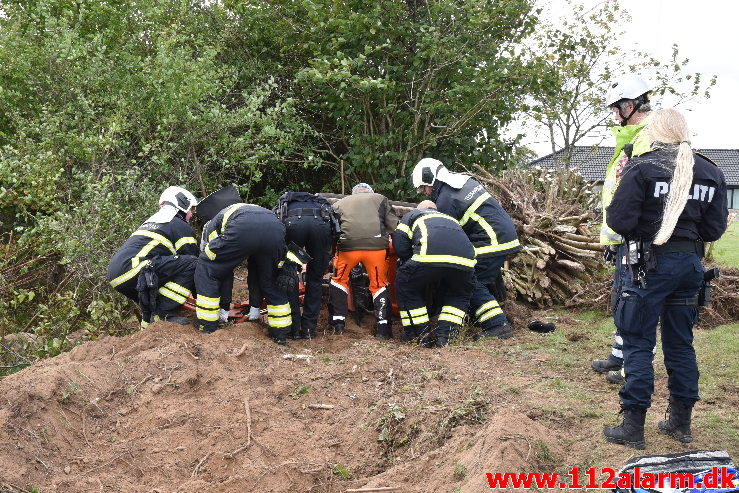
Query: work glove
(609, 254)
(287, 278)
(297, 255)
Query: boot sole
(635, 445)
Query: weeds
(300, 391)
(341, 471)
(73, 386)
(472, 410)
(460, 472)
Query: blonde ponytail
(669, 127)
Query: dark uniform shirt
(430, 237)
(151, 239)
(638, 204)
(486, 223)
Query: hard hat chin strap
(637, 103)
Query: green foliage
(385, 83)
(341, 471)
(300, 391)
(73, 387)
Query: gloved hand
(287, 278)
(609, 254)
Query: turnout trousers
(176, 282)
(411, 282)
(678, 276)
(375, 262)
(247, 236)
(314, 235)
(484, 307)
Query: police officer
(308, 222)
(237, 232)
(670, 201)
(432, 247)
(628, 98)
(162, 254)
(487, 225)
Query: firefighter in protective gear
(366, 220)
(669, 203)
(307, 220)
(238, 232)
(155, 265)
(432, 248)
(487, 225)
(628, 98)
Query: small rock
(67, 469)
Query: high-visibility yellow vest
(630, 134)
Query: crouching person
(433, 248)
(238, 232)
(156, 264)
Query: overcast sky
(706, 32)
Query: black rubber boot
(605, 365)
(424, 337)
(442, 341)
(631, 431)
(338, 327)
(502, 331)
(616, 377)
(408, 334)
(677, 425)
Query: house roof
(591, 162)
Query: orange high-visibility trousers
(374, 262)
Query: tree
(580, 55)
(385, 83)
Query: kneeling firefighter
(433, 248)
(237, 232)
(155, 265)
(670, 201)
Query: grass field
(726, 250)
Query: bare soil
(171, 409)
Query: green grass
(726, 250)
(583, 403)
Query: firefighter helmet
(426, 171)
(178, 197)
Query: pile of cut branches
(724, 307)
(560, 262)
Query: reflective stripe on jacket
(430, 237)
(150, 240)
(483, 219)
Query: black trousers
(411, 282)
(314, 235)
(260, 237)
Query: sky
(707, 33)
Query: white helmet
(178, 197)
(426, 171)
(627, 87)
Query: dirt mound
(170, 409)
